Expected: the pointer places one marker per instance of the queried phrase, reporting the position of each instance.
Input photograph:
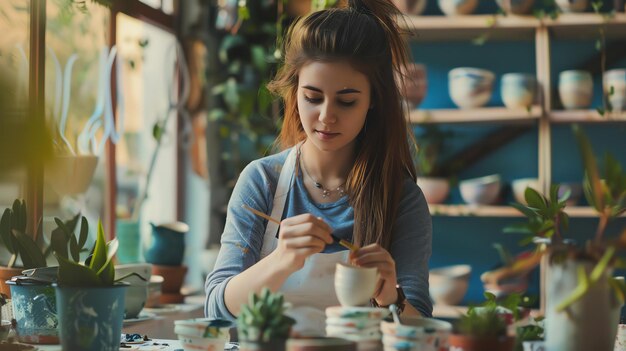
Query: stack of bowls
(358, 324)
(470, 87)
(202, 334)
(416, 334)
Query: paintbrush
(341, 242)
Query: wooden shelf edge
(585, 116)
(485, 114)
(500, 211)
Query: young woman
(346, 169)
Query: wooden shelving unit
(500, 211)
(585, 116)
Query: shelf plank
(500, 211)
(585, 116)
(434, 28)
(486, 114)
(585, 26)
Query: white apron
(311, 289)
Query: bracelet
(400, 302)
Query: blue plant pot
(90, 319)
(168, 244)
(35, 312)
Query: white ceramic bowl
(480, 191)
(354, 285)
(516, 7)
(428, 333)
(411, 7)
(457, 7)
(572, 5)
(448, 285)
(575, 89)
(202, 334)
(435, 190)
(517, 90)
(470, 87)
(137, 292)
(519, 188)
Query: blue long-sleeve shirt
(243, 234)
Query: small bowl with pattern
(357, 312)
(425, 333)
(575, 89)
(202, 334)
(470, 87)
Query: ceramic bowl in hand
(448, 285)
(354, 285)
(470, 87)
(519, 188)
(457, 7)
(481, 191)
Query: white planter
(589, 323)
(575, 89)
(517, 90)
(470, 87)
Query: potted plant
(262, 324)
(429, 144)
(482, 329)
(33, 298)
(90, 302)
(583, 300)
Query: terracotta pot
(173, 277)
(6, 274)
(470, 343)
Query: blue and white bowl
(575, 89)
(518, 90)
(470, 87)
(615, 88)
(457, 7)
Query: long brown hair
(366, 35)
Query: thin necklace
(340, 190)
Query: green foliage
(23, 245)
(529, 332)
(545, 215)
(430, 142)
(263, 318)
(99, 271)
(484, 322)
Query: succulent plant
(263, 318)
(483, 322)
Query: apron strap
(285, 181)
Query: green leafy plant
(490, 318)
(98, 269)
(430, 142)
(606, 193)
(529, 332)
(263, 318)
(23, 245)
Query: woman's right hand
(300, 237)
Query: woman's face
(333, 100)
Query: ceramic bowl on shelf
(615, 88)
(470, 87)
(518, 90)
(572, 5)
(575, 89)
(415, 84)
(435, 190)
(411, 7)
(519, 188)
(457, 7)
(516, 7)
(448, 285)
(481, 191)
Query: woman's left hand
(375, 256)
